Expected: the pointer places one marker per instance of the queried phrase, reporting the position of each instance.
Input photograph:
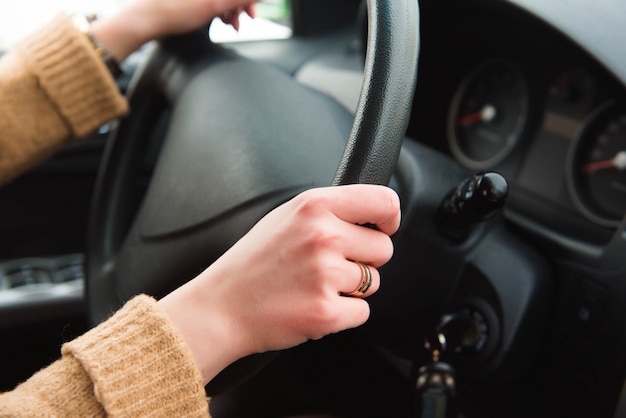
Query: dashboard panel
(494, 95)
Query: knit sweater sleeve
(53, 87)
(135, 364)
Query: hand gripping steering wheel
(235, 138)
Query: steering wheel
(235, 138)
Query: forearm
(61, 389)
(53, 86)
(143, 20)
(135, 364)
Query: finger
(235, 22)
(348, 240)
(251, 10)
(359, 204)
(366, 245)
(377, 205)
(227, 17)
(354, 312)
(231, 17)
(364, 281)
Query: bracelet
(83, 24)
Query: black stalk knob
(475, 200)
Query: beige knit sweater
(53, 87)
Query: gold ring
(366, 280)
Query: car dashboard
(498, 90)
(501, 90)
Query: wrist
(83, 24)
(121, 33)
(208, 332)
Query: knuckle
(309, 203)
(322, 239)
(323, 317)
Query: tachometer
(488, 114)
(597, 166)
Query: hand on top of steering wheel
(288, 280)
(231, 17)
(144, 20)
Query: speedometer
(488, 114)
(597, 166)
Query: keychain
(435, 383)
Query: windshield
(19, 18)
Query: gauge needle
(486, 114)
(619, 162)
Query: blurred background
(18, 18)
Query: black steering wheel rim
(384, 107)
(370, 155)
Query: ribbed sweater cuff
(140, 365)
(73, 76)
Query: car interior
(500, 123)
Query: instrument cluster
(574, 155)
(502, 93)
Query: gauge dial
(573, 93)
(488, 114)
(597, 164)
